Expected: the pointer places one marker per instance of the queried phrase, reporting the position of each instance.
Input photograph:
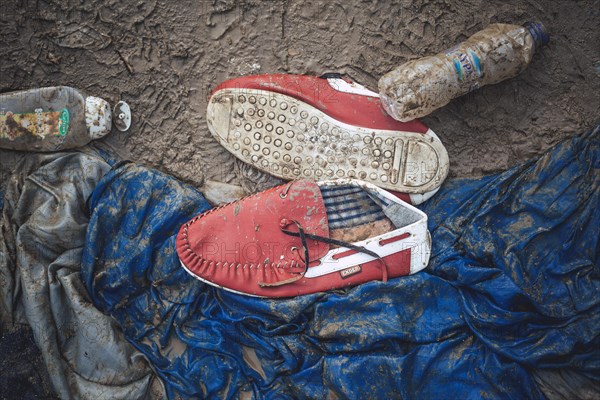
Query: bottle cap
(538, 32)
(98, 117)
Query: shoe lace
(303, 236)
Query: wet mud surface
(164, 58)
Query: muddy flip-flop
(297, 126)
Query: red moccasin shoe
(305, 237)
(298, 126)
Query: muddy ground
(164, 58)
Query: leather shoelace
(303, 236)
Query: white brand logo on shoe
(350, 271)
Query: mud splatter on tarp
(43, 226)
(533, 233)
(500, 299)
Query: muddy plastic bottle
(499, 52)
(56, 118)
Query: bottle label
(466, 64)
(39, 123)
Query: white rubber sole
(291, 140)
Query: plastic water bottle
(56, 118)
(499, 52)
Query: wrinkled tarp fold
(44, 223)
(510, 297)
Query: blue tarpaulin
(512, 291)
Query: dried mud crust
(291, 139)
(164, 59)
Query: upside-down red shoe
(305, 237)
(298, 126)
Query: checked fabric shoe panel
(297, 126)
(305, 237)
